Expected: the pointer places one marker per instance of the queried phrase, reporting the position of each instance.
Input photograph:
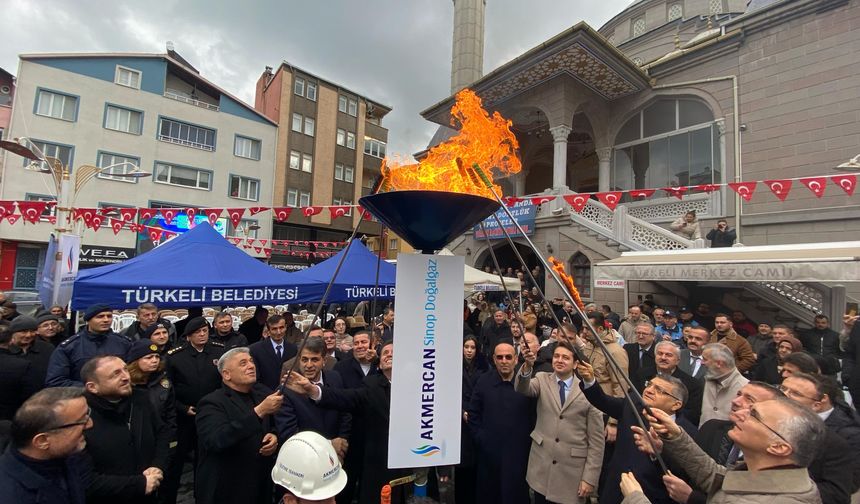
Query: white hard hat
(308, 467)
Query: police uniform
(193, 375)
(64, 366)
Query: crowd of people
(552, 412)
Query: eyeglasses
(85, 421)
(660, 390)
(504, 357)
(755, 415)
(792, 394)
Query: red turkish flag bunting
(708, 188)
(85, 214)
(540, 200)
(254, 210)
(12, 219)
(642, 193)
(577, 201)
(338, 211)
(235, 241)
(281, 214)
(258, 250)
(512, 200)
(610, 198)
(263, 242)
(153, 233)
(167, 235)
(96, 222)
(168, 214)
(847, 182)
(116, 225)
(191, 212)
(744, 189)
(235, 215)
(127, 214)
(815, 184)
(212, 214)
(268, 252)
(31, 211)
(106, 210)
(779, 188)
(311, 210)
(147, 213)
(367, 216)
(6, 208)
(677, 192)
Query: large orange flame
(483, 139)
(558, 267)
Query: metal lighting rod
(376, 282)
(502, 279)
(631, 389)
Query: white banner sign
(609, 284)
(426, 408)
(68, 256)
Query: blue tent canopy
(355, 281)
(197, 268)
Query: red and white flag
(815, 184)
(641, 193)
(677, 192)
(847, 182)
(744, 189)
(609, 198)
(577, 201)
(311, 210)
(32, 211)
(779, 188)
(281, 214)
(338, 211)
(212, 214)
(235, 215)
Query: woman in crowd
(687, 226)
(341, 329)
(146, 367)
(770, 369)
(465, 474)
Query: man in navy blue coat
(665, 393)
(501, 421)
(270, 353)
(298, 413)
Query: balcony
(186, 143)
(191, 101)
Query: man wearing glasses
(43, 463)
(779, 439)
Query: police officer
(193, 370)
(97, 338)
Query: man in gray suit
(691, 357)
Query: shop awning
(815, 262)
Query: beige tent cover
(477, 280)
(818, 262)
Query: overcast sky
(397, 52)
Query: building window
(307, 163)
(299, 87)
(183, 176)
(29, 262)
(716, 6)
(342, 103)
(392, 244)
(292, 197)
(639, 27)
(350, 140)
(353, 108)
(297, 122)
(338, 171)
(123, 119)
(247, 228)
(244, 188)
(56, 105)
(304, 199)
(309, 126)
(374, 147)
(127, 77)
(669, 143)
(49, 211)
(341, 137)
(247, 147)
(311, 92)
(186, 134)
(295, 160)
(676, 11)
(348, 174)
(107, 159)
(581, 267)
(61, 152)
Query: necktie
(561, 387)
(278, 351)
(694, 364)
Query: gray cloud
(397, 52)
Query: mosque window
(670, 142)
(716, 6)
(676, 11)
(639, 27)
(580, 265)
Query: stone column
(520, 182)
(559, 158)
(604, 155)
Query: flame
(558, 267)
(484, 140)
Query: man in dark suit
(299, 413)
(663, 392)
(333, 354)
(237, 440)
(691, 357)
(17, 381)
(640, 355)
(666, 358)
(270, 353)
